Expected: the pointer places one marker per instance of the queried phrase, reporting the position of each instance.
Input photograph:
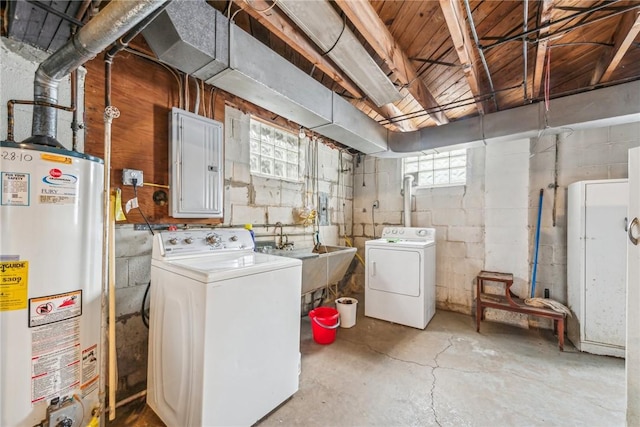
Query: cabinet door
(196, 170)
(394, 271)
(605, 263)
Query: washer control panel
(409, 233)
(200, 241)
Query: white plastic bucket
(347, 307)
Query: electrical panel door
(196, 166)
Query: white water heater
(50, 285)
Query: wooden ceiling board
(430, 33)
(420, 30)
(387, 10)
(406, 13)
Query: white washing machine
(400, 280)
(224, 330)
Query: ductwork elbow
(116, 19)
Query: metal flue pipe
(117, 18)
(407, 194)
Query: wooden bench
(510, 302)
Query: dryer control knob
(422, 232)
(233, 238)
(213, 239)
(173, 241)
(188, 240)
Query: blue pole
(535, 258)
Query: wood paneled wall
(144, 92)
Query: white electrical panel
(195, 166)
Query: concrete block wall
(133, 271)
(455, 212)
(600, 153)
(490, 223)
(264, 201)
(507, 218)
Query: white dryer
(400, 280)
(224, 330)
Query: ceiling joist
(456, 23)
(368, 23)
(623, 39)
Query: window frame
(431, 158)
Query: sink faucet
(278, 243)
(283, 241)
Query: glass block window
(434, 170)
(274, 152)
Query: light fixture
(301, 134)
(320, 21)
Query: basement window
(438, 169)
(274, 151)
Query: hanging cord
(547, 83)
(196, 105)
(144, 313)
(344, 25)
(134, 181)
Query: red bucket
(324, 322)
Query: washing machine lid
(219, 267)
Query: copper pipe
(11, 102)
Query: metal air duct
(118, 17)
(250, 70)
(320, 21)
(197, 39)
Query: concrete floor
(379, 373)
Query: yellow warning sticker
(56, 158)
(13, 285)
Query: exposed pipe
(110, 113)
(118, 17)
(479, 47)
(74, 100)
(407, 194)
(10, 118)
(131, 398)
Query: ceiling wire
(266, 9)
(517, 37)
(479, 47)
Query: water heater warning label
(13, 285)
(55, 359)
(15, 189)
(54, 308)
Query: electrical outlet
(128, 175)
(376, 204)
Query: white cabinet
(596, 265)
(195, 166)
